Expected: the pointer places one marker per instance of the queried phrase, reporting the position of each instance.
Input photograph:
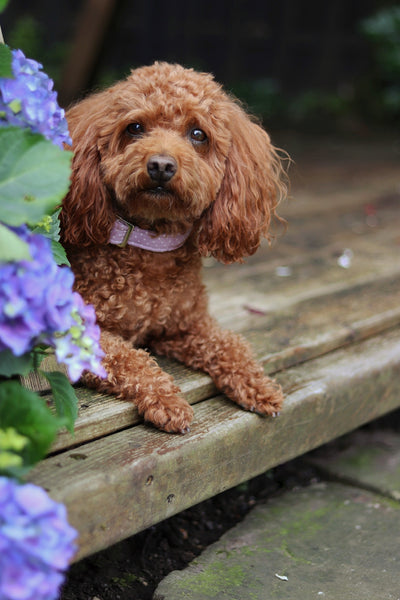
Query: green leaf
(64, 397)
(59, 254)
(29, 416)
(11, 444)
(11, 440)
(5, 57)
(49, 226)
(3, 5)
(11, 246)
(9, 461)
(15, 365)
(34, 176)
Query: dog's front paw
(263, 396)
(172, 416)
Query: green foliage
(383, 32)
(11, 246)
(28, 35)
(5, 61)
(64, 396)
(374, 96)
(49, 226)
(34, 176)
(262, 96)
(318, 106)
(27, 414)
(11, 365)
(11, 443)
(59, 254)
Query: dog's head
(168, 146)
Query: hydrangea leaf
(34, 176)
(11, 440)
(30, 417)
(5, 56)
(11, 443)
(59, 254)
(49, 226)
(64, 397)
(9, 460)
(15, 365)
(11, 246)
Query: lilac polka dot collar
(124, 233)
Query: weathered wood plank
(102, 414)
(310, 255)
(127, 481)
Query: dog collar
(124, 233)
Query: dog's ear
(251, 189)
(86, 216)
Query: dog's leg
(134, 375)
(228, 358)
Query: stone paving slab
(329, 541)
(368, 458)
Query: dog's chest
(138, 294)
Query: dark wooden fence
(300, 44)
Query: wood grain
(123, 483)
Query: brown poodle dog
(167, 168)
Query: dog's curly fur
(226, 183)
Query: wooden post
(90, 32)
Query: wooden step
(118, 485)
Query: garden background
(319, 66)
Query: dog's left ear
(253, 184)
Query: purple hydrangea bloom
(34, 296)
(38, 305)
(79, 348)
(28, 100)
(36, 542)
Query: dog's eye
(135, 129)
(198, 136)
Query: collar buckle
(129, 229)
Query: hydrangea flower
(78, 348)
(28, 100)
(38, 305)
(36, 542)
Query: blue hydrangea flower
(38, 305)
(36, 543)
(79, 348)
(28, 100)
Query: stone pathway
(335, 540)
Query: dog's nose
(161, 167)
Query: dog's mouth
(153, 202)
(158, 190)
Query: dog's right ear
(86, 216)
